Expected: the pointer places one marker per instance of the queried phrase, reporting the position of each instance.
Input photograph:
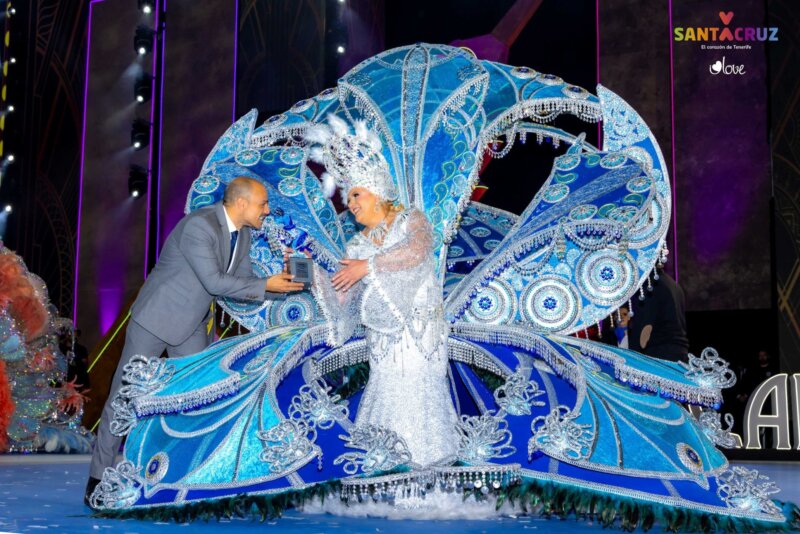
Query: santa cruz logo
(726, 33)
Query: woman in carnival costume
(399, 302)
(431, 357)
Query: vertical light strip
(160, 134)
(4, 90)
(235, 55)
(153, 73)
(674, 245)
(83, 162)
(597, 47)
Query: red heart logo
(726, 17)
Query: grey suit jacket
(191, 272)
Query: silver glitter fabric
(400, 306)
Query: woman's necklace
(378, 233)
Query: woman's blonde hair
(392, 206)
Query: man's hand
(282, 283)
(644, 338)
(353, 271)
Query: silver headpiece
(351, 159)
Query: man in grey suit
(204, 257)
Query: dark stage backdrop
(45, 85)
(281, 54)
(197, 84)
(111, 262)
(286, 48)
(784, 90)
(722, 161)
(198, 97)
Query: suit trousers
(138, 340)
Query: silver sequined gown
(400, 304)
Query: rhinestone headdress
(351, 159)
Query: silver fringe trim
(418, 483)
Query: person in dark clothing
(615, 328)
(79, 366)
(751, 376)
(748, 378)
(658, 325)
(77, 359)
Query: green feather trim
(353, 378)
(489, 379)
(348, 380)
(534, 497)
(553, 499)
(260, 507)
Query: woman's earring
(376, 208)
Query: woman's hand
(353, 271)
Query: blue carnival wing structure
(268, 414)
(271, 413)
(295, 197)
(436, 110)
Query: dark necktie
(234, 237)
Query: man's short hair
(239, 187)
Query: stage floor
(45, 493)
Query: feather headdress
(350, 159)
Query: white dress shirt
(231, 229)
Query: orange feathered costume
(20, 300)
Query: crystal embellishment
(141, 376)
(711, 423)
(518, 394)
(384, 449)
(483, 437)
(119, 488)
(287, 444)
(558, 435)
(744, 489)
(157, 467)
(709, 370)
(314, 405)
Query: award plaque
(300, 267)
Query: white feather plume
(316, 154)
(338, 125)
(367, 136)
(319, 134)
(328, 185)
(361, 130)
(374, 142)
